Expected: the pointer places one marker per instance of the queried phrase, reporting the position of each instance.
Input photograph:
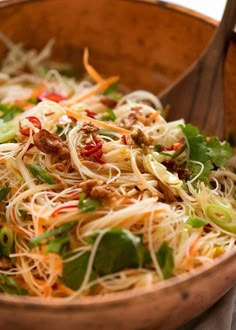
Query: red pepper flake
(169, 164)
(63, 208)
(55, 286)
(90, 114)
(166, 148)
(51, 96)
(24, 130)
(124, 139)
(176, 146)
(93, 151)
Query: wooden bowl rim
(117, 298)
(161, 3)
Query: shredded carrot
(155, 212)
(14, 228)
(3, 160)
(193, 247)
(56, 262)
(97, 123)
(99, 88)
(90, 70)
(37, 91)
(39, 229)
(45, 287)
(155, 115)
(64, 289)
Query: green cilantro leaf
(219, 152)
(118, 250)
(9, 285)
(75, 270)
(197, 143)
(210, 153)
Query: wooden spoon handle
(197, 96)
(223, 33)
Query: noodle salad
(98, 192)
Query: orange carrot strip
(90, 70)
(13, 228)
(99, 88)
(155, 115)
(38, 90)
(64, 289)
(97, 123)
(192, 247)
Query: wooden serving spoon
(197, 96)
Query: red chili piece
(51, 96)
(62, 208)
(175, 147)
(26, 130)
(90, 114)
(124, 139)
(93, 152)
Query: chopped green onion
(40, 239)
(111, 90)
(179, 152)
(33, 100)
(23, 213)
(109, 116)
(39, 173)
(59, 131)
(7, 132)
(196, 222)
(157, 147)
(166, 260)
(6, 241)
(166, 154)
(4, 192)
(221, 216)
(56, 245)
(89, 205)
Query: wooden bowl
(149, 46)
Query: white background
(211, 8)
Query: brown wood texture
(147, 45)
(198, 93)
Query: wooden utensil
(197, 96)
